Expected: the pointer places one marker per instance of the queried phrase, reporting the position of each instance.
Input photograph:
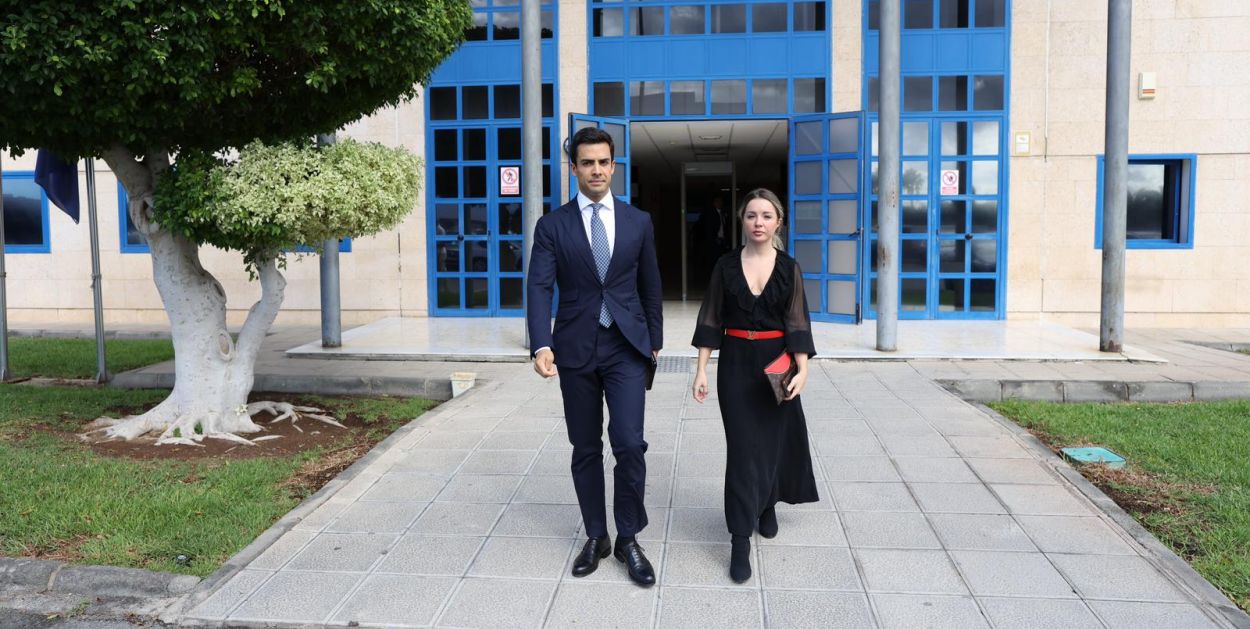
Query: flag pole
(97, 294)
(5, 372)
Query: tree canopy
(174, 75)
(276, 197)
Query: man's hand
(545, 363)
(655, 354)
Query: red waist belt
(753, 335)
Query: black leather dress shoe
(587, 561)
(636, 563)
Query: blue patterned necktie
(603, 255)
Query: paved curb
(1167, 561)
(1228, 347)
(111, 581)
(240, 560)
(432, 388)
(990, 390)
(430, 357)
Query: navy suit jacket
(561, 257)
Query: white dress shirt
(607, 214)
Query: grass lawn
(75, 358)
(63, 499)
(1188, 476)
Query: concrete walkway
(934, 514)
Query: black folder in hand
(651, 366)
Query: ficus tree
(139, 82)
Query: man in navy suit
(600, 252)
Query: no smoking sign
(950, 182)
(509, 180)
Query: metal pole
(97, 294)
(1115, 175)
(331, 313)
(531, 128)
(685, 254)
(5, 372)
(887, 215)
(733, 207)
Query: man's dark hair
(589, 135)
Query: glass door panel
(826, 175)
(967, 232)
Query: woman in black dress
(757, 289)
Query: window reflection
(608, 23)
(1149, 188)
(729, 18)
(809, 16)
(809, 95)
(646, 98)
(23, 212)
(768, 96)
(686, 98)
(646, 21)
(768, 18)
(729, 97)
(686, 20)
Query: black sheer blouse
(729, 303)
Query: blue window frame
(473, 145)
(1160, 201)
(132, 240)
(674, 59)
(25, 214)
(650, 18)
(500, 20)
(944, 14)
(826, 191)
(955, 67)
(476, 241)
(699, 98)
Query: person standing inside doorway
(600, 252)
(713, 234)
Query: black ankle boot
(768, 523)
(740, 559)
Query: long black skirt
(767, 457)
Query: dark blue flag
(59, 180)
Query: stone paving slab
(474, 524)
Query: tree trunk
(213, 373)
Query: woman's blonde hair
(767, 195)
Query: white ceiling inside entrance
(747, 143)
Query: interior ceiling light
(709, 137)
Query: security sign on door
(509, 180)
(950, 182)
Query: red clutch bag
(779, 373)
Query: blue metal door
(826, 179)
(969, 195)
(952, 214)
(475, 216)
(618, 128)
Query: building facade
(706, 99)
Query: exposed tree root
(285, 410)
(190, 429)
